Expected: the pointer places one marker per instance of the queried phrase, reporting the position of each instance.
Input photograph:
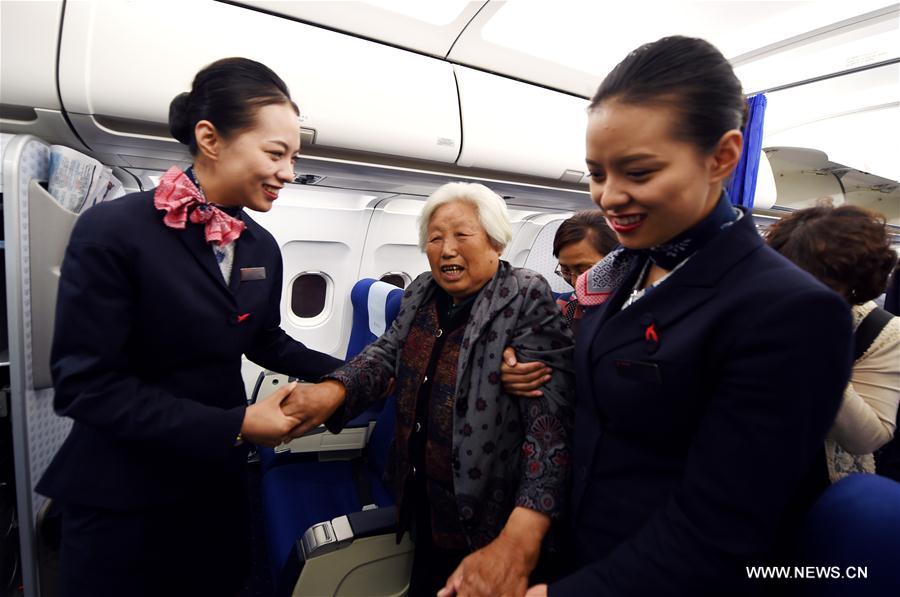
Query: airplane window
(398, 280)
(308, 295)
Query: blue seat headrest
(375, 305)
(855, 522)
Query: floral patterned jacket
(507, 451)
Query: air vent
(308, 179)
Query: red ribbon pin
(650, 334)
(242, 318)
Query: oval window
(398, 280)
(308, 294)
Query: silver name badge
(253, 273)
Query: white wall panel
(541, 259)
(321, 230)
(518, 252)
(392, 239)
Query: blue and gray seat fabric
(298, 490)
(854, 523)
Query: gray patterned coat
(507, 451)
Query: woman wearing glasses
(580, 242)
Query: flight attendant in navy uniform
(161, 292)
(708, 378)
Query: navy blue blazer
(146, 357)
(699, 410)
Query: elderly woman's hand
(265, 424)
(501, 568)
(312, 404)
(522, 379)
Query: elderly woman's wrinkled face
(460, 253)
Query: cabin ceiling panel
(427, 27)
(572, 44)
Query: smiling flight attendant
(161, 293)
(708, 379)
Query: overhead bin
(121, 63)
(516, 127)
(29, 103)
(866, 40)
(426, 27)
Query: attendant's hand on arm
(522, 379)
(264, 422)
(537, 591)
(501, 568)
(312, 404)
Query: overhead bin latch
(307, 136)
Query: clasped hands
(291, 412)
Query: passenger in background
(892, 294)
(847, 249)
(478, 475)
(160, 294)
(887, 458)
(707, 381)
(580, 241)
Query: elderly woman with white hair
(478, 474)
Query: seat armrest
(347, 444)
(266, 383)
(355, 554)
(350, 442)
(376, 521)
(330, 535)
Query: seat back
(375, 305)
(855, 527)
(299, 492)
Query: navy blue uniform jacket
(146, 357)
(699, 410)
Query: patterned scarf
(179, 195)
(596, 285)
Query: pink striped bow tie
(180, 198)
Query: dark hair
(847, 248)
(688, 74)
(227, 93)
(585, 224)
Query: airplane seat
(305, 505)
(855, 523)
(329, 522)
(562, 295)
(375, 305)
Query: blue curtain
(742, 185)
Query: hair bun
(179, 120)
